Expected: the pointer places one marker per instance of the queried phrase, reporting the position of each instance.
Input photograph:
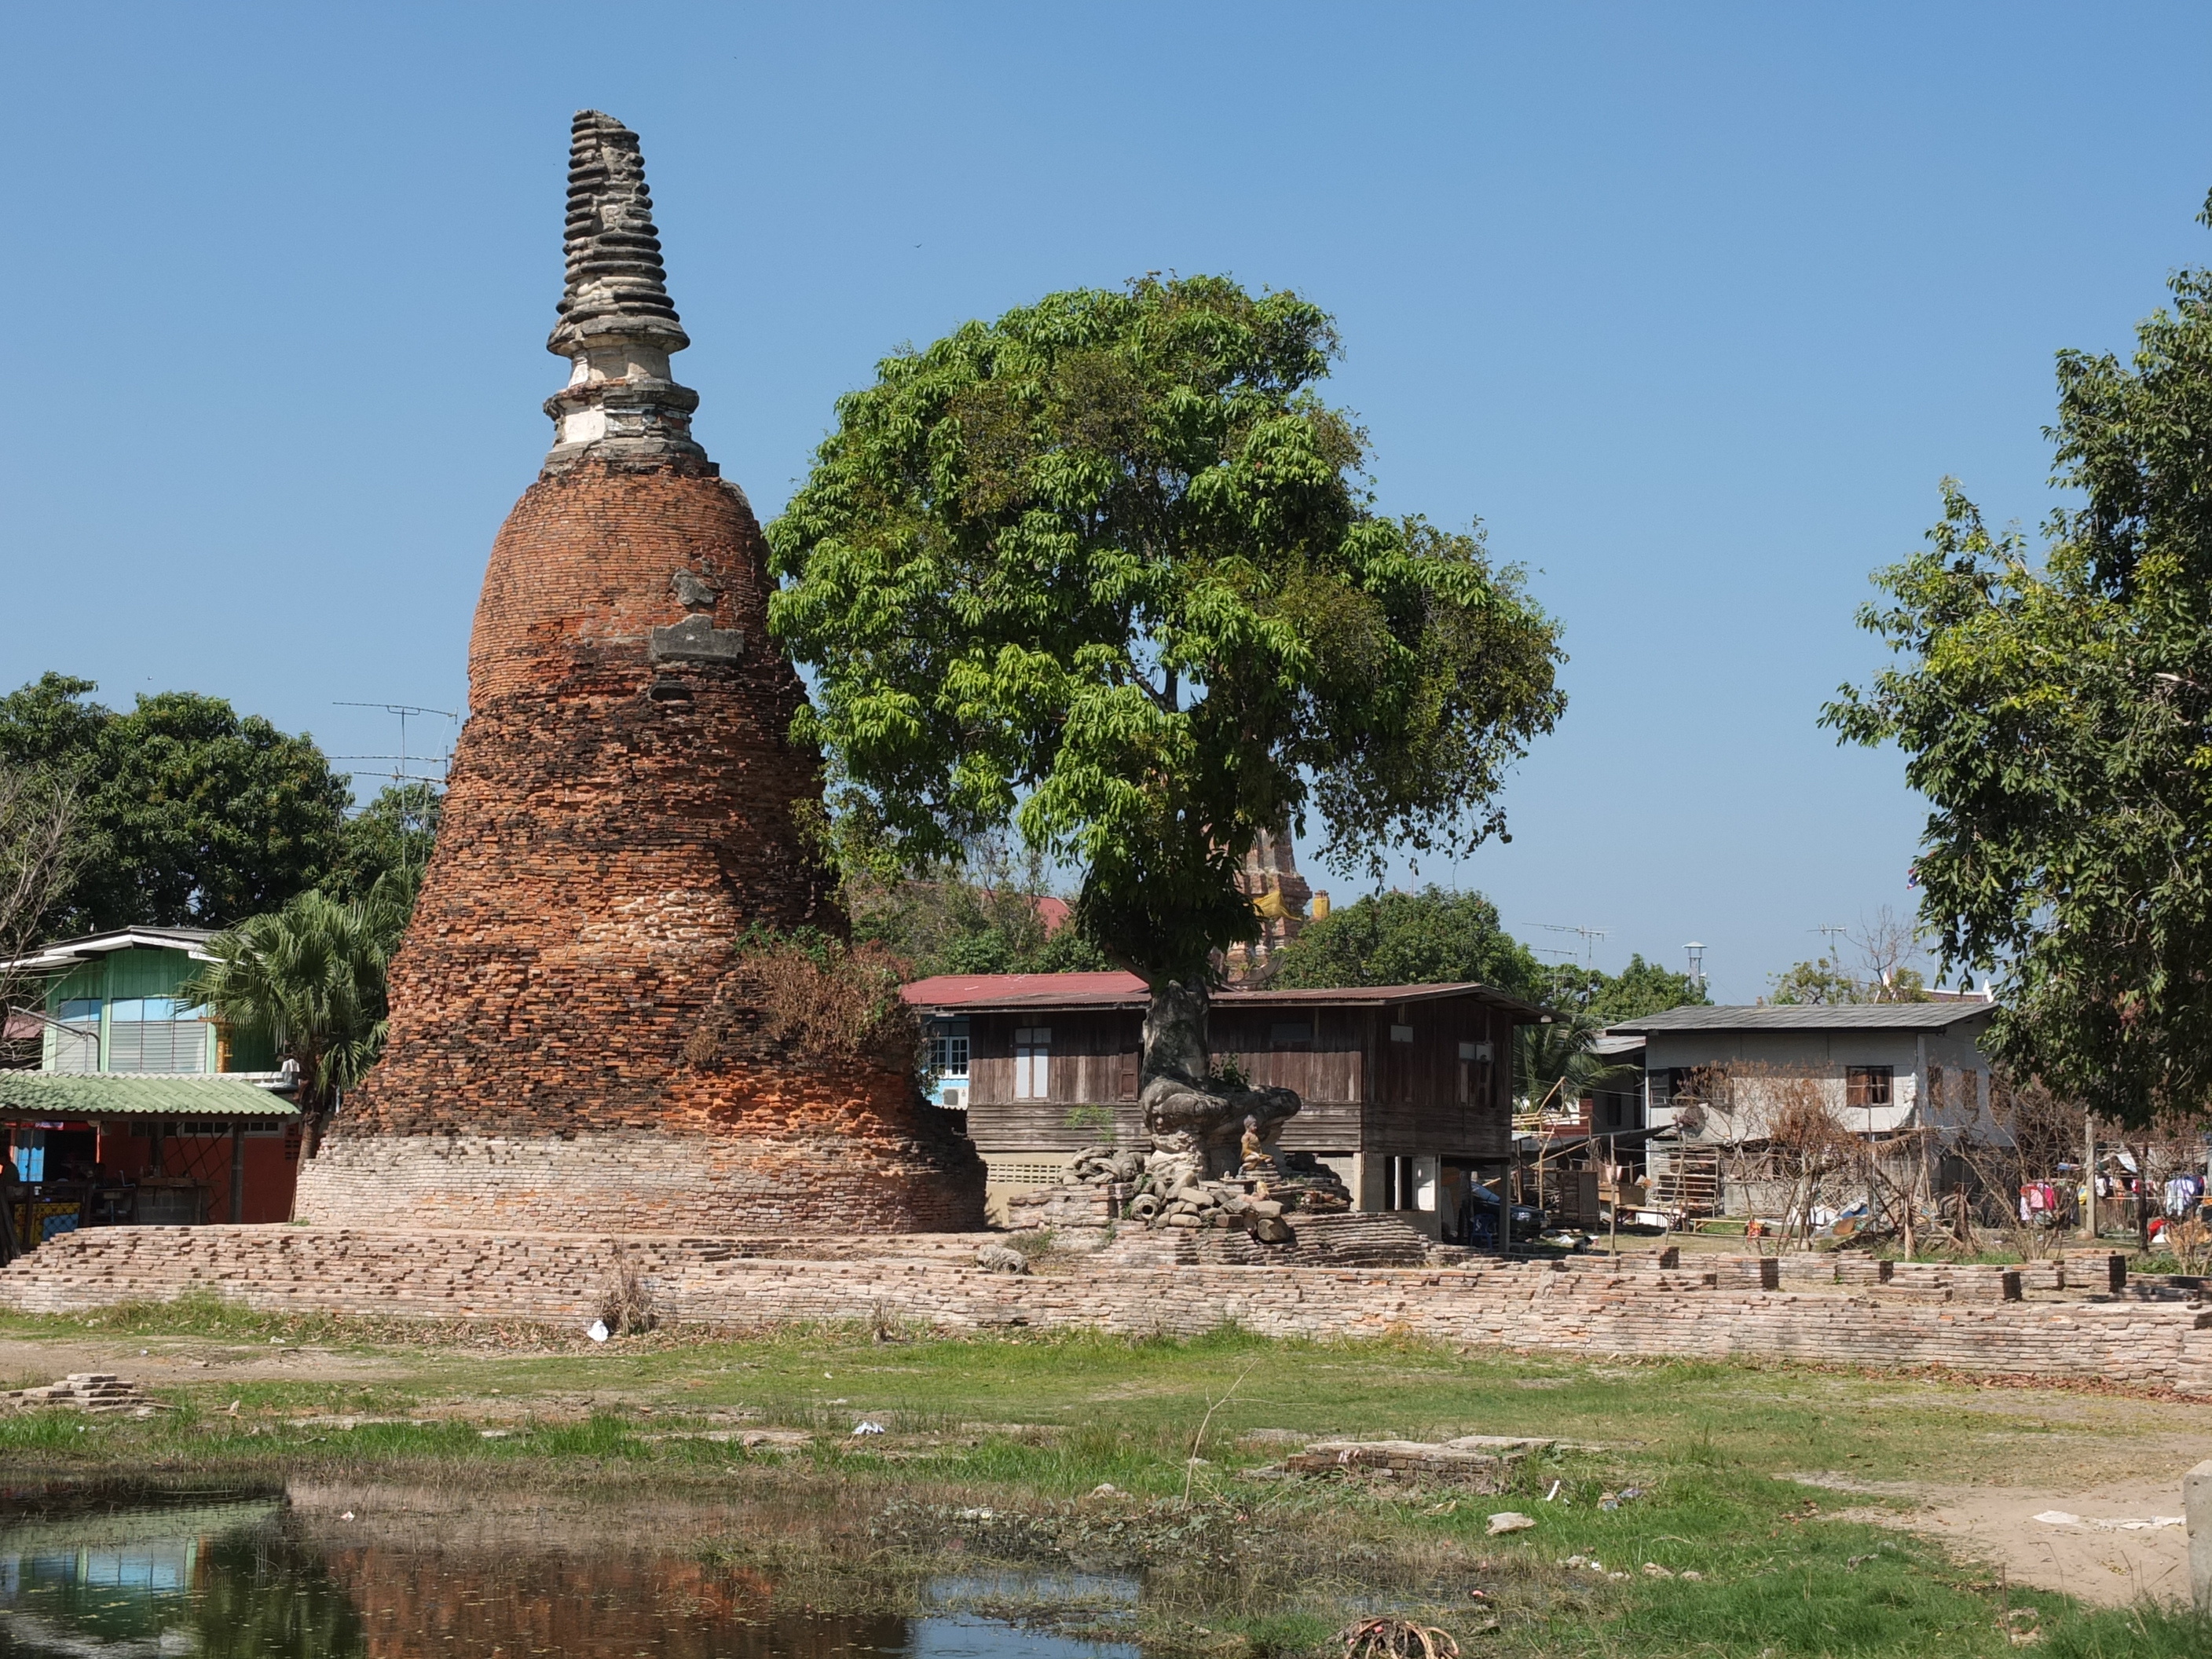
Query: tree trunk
(1187, 1107)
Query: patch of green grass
(1030, 1424)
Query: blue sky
(1692, 306)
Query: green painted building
(111, 1005)
(141, 1110)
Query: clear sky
(1693, 305)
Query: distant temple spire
(1280, 894)
(617, 325)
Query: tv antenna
(1833, 930)
(399, 774)
(1589, 936)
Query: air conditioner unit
(955, 1100)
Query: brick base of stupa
(641, 1182)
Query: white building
(1909, 1078)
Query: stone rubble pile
(1169, 1188)
(85, 1391)
(1482, 1461)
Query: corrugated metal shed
(1841, 1017)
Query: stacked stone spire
(618, 325)
(581, 1038)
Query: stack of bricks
(1480, 1460)
(84, 1391)
(577, 1039)
(1705, 1311)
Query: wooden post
(1911, 1191)
(1613, 1179)
(2089, 1170)
(237, 1170)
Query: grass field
(995, 1450)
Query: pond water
(92, 1575)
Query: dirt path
(156, 1359)
(2109, 1551)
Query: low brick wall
(1714, 1309)
(640, 1181)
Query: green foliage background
(193, 815)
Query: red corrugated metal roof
(981, 992)
(1012, 990)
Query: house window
(1290, 1034)
(1705, 1085)
(155, 1033)
(76, 1040)
(1471, 1055)
(1867, 1085)
(948, 1055)
(1033, 1063)
(1402, 1033)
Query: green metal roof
(108, 1094)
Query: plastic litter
(2059, 1519)
(1554, 1492)
(1510, 1520)
(598, 1331)
(867, 1428)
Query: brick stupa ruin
(576, 1043)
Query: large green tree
(187, 812)
(1428, 938)
(2058, 715)
(1642, 987)
(1104, 568)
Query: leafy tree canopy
(390, 837)
(1428, 938)
(308, 979)
(189, 813)
(1642, 987)
(1825, 980)
(990, 915)
(2058, 719)
(1556, 1065)
(1103, 569)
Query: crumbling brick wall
(1705, 1311)
(613, 827)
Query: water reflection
(86, 1573)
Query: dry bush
(1779, 1129)
(831, 1000)
(2037, 1131)
(626, 1304)
(40, 853)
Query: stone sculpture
(1189, 1108)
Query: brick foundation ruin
(577, 1040)
(2052, 1323)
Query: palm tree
(1557, 1062)
(309, 979)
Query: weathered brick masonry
(1710, 1310)
(575, 1040)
